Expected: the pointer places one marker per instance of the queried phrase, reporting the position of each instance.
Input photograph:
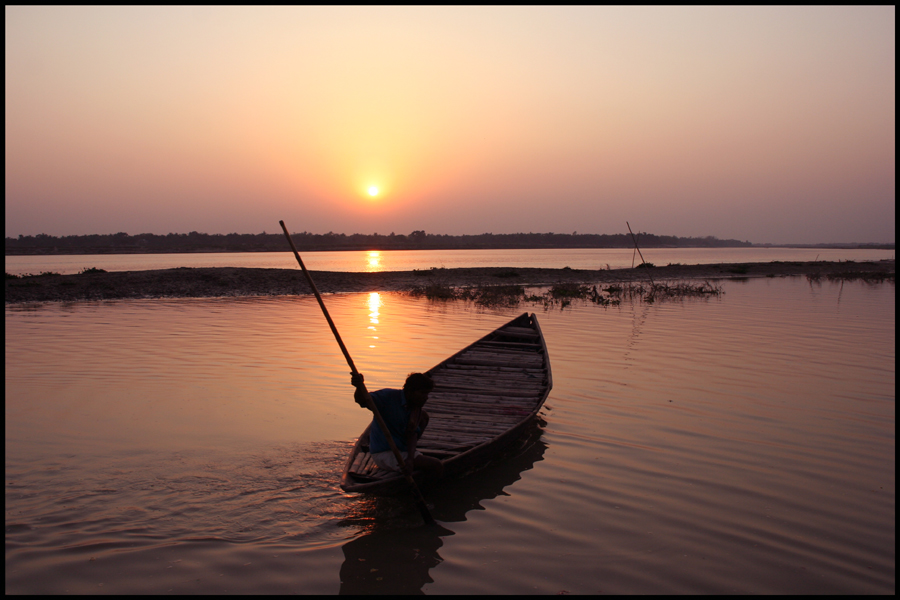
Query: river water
(407, 260)
(740, 444)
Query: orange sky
(762, 124)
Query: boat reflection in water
(397, 553)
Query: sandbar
(217, 282)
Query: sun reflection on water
(374, 305)
(373, 261)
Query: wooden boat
(484, 397)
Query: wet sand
(231, 281)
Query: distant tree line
(149, 243)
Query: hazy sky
(761, 124)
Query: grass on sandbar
(486, 295)
(562, 294)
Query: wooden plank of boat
(504, 378)
(488, 421)
(469, 389)
(499, 360)
(455, 437)
(519, 333)
(482, 370)
(520, 330)
(476, 399)
(531, 350)
(484, 396)
(519, 383)
(526, 345)
(504, 387)
(486, 363)
(465, 405)
(519, 359)
(496, 350)
(499, 416)
(469, 424)
(474, 427)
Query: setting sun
(373, 191)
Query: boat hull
(485, 397)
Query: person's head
(416, 389)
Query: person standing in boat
(403, 414)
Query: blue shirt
(392, 406)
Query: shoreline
(113, 251)
(217, 282)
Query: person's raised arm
(361, 395)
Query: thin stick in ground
(643, 262)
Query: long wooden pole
(420, 500)
(634, 239)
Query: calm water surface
(407, 260)
(741, 444)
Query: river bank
(231, 281)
